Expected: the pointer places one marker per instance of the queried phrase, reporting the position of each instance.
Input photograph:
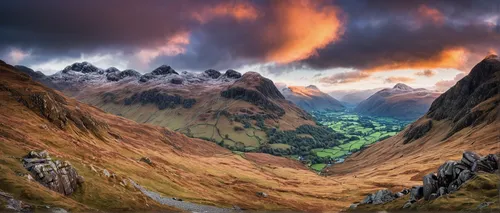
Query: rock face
(457, 104)
(160, 99)
(448, 179)
(383, 196)
(472, 101)
(310, 98)
(254, 88)
(84, 67)
(56, 175)
(451, 175)
(401, 102)
(116, 75)
(164, 70)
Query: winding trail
(186, 206)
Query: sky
(337, 45)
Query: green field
(360, 131)
(318, 167)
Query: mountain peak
(84, 67)
(164, 70)
(314, 87)
(492, 56)
(402, 86)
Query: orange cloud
(175, 45)
(431, 13)
(399, 79)
(301, 29)
(426, 73)
(450, 58)
(238, 10)
(345, 77)
(446, 84)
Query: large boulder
(430, 186)
(55, 175)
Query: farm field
(358, 131)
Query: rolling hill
(401, 101)
(229, 108)
(310, 98)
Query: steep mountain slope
(231, 109)
(401, 102)
(466, 117)
(109, 150)
(310, 98)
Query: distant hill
(229, 108)
(401, 101)
(357, 96)
(311, 98)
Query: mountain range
(123, 165)
(401, 101)
(310, 98)
(229, 108)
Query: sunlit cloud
(444, 85)
(399, 79)
(175, 45)
(239, 10)
(302, 29)
(449, 58)
(429, 13)
(16, 55)
(345, 77)
(426, 73)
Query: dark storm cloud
(389, 32)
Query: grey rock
(484, 205)
(106, 173)
(430, 185)
(417, 192)
(407, 205)
(261, 194)
(469, 158)
(379, 197)
(442, 191)
(59, 177)
(354, 206)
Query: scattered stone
(354, 206)
(146, 160)
(484, 205)
(450, 176)
(106, 173)
(55, 175)
(93, 169)
(261, 194)
(237, 208)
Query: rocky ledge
(449, 178)
(58, 176)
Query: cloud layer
(364, 37)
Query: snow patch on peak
(402, 86)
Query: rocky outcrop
(232, 74)
(56, 175)
(176, 80)
(164, 70)
(383, 196)
(160, 99)
(417, 131)
(214, 74)
(457, 104)
(449, 178)
(116, 75)
(452, 174)
(253, 97)
(83, 67)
